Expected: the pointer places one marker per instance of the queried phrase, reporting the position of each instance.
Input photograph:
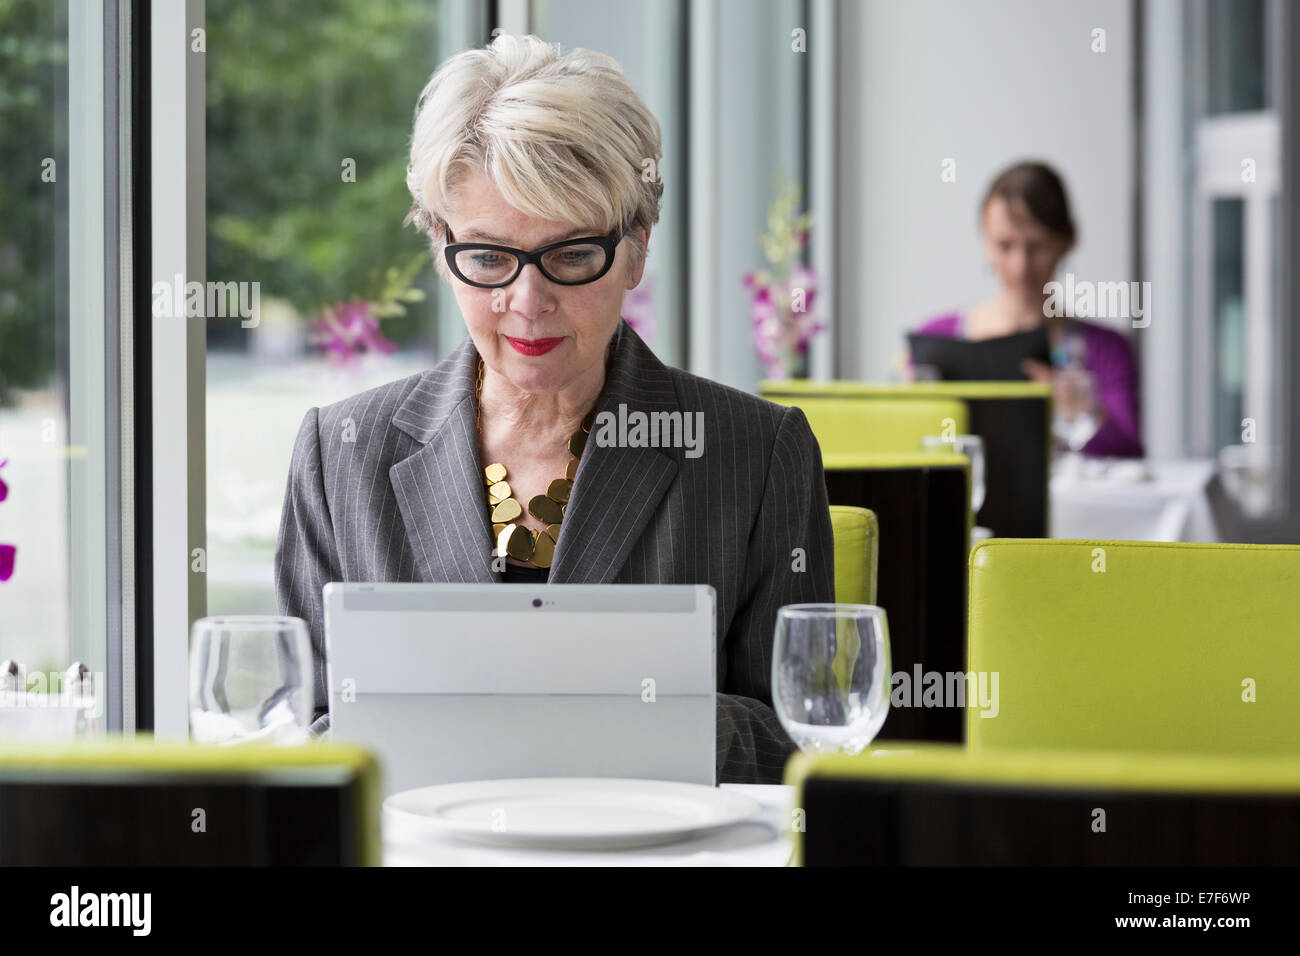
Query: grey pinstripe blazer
(404, 501)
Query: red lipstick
(533, 346)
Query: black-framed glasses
(570, 262)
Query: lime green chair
(1013, 418)
(849, 426)
(135, 802)
(1122, 645)
(857, 546)
(935, 805)
(798, 388)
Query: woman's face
(510, 326)
(1023, 253)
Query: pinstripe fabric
(403, 501)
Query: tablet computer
(456, 682)
(985, 360)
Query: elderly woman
(528, 171)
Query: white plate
(570, 812)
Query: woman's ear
(634, 275)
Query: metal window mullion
(177, 184)
(88, 511)
(1257, 400)
(465, 25)
(1286, 37)
(1202, 351)
(1164, 197)
(514, 16)
(1201, 394)
(705, 313)
(119, 711)
(821, 106)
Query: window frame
(176, 484)
(1189, 159)
(1218, 143)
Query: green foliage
(292, 92)
(787, 232)
(397, 289)
(33, 64)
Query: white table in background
(1182, 501)
(760, 841)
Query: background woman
(1027, 229)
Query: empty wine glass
(926, 373)
(250, 680)
(972, 446)
(1074, 407)
(830, 675)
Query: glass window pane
(307, 137)
(1237, 73)
(53, 335)
(1229, 319)
(34, 594)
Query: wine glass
(972, 446)
(926, 373)
(830, 675)
(250, 680)
(1074, 407)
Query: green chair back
(1122, 645)
(933, 805)
(843, 388)
(134, 802)
(857, 546)
(1013, 418)
(856, 549)
(849, 426)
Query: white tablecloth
(1179, 501)
(761, 841)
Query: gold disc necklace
(512, 538)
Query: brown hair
(1040, 189)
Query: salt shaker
(79, 692)
(11, 676)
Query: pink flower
(783, 319)
(8, 552)
(348, 331)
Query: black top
(518, 574)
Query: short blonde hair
(563, 137)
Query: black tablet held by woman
(983, 360)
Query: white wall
(985, 83)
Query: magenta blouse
(1108, 356)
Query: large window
(307, 138)
(1236, 316)
(60, 557)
